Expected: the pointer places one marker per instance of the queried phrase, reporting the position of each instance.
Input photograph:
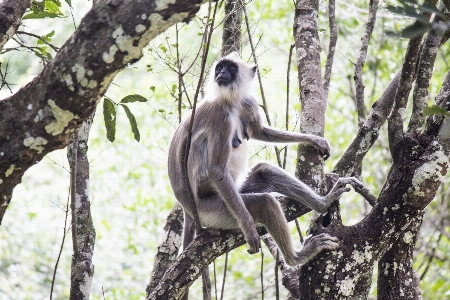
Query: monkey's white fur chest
(237, 162)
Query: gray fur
(226, 196)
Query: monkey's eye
(233, 68)
(219, 67)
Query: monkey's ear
(254, 70)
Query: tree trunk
(83, 231)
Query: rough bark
(169, 247)
(11, 13)
(83, 231)
(425, 70)
(41, 116)
(312, 119)
(410, 187)
(396, 277)
(231, 37)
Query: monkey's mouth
(221, 81)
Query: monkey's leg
(265, 210)
(265, 177)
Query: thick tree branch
(395, 121)
(41, 116)
(368, 133)
(11, 13)
(424, 72)
(206, 247)
(169, 247)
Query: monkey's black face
(226, 72)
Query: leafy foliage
(109, 115)
(45, 9)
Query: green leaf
(133, 123)
(163, 48)
(152, 88)
(109, 115)
(435, 110)
(41, 15)
(47, 38)
(133, 98)
(69, 2)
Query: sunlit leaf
(109, 115)
(133, 98)
(133, 123)
(41, 15)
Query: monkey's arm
(272, 135)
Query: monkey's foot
(313, 245)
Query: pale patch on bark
(432, 170)
(163, 4)
(35, 143)
(347, 286)
(10, 170)
(63, 117)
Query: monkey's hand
(252, 237)
(321, 145)
(341, 187)
(313, 245)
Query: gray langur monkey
(225, 196)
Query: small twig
(62, 246)
(277, 284)
(287, 99)
(39, 38)
(3, 77)
(299, 231)
(224, 276)
(262, 275)
(215, 279)
(73, 190)
(361, 60)
(331, 47)
(431, 256)
(180, 77)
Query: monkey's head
(231, 78)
